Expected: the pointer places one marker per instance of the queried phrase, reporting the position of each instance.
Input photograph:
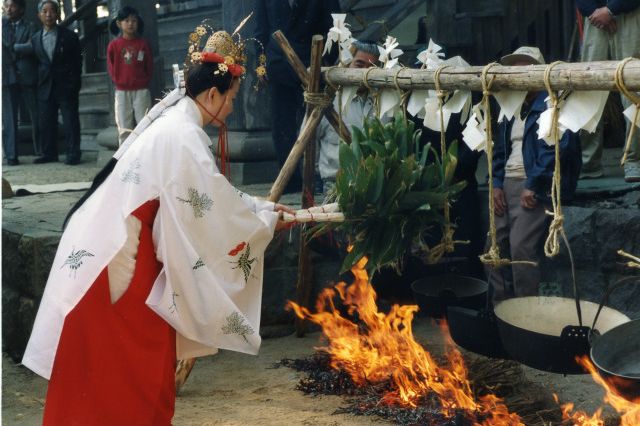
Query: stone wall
(31, 231)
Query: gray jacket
(18, 60)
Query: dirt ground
(237, 389)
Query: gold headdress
(227, 50)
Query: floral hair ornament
(226, 50)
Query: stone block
(616, 229)
(108, 138)
(580, 232)
(250, 146)
(18, 314)
(248, 173)
(37, 253)
(279, 286)
(13, 270)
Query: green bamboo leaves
(391, 190)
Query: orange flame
(629, 410)
(381, 346)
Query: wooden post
(305, 267)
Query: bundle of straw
(326, 213)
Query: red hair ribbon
(236, 70)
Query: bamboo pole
(573, 76)
(299, 68)
(305, 267)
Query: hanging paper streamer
(341, 35)
(579, 111)
(475, 132)
(510, 102)
(424, 103)
(389, 99)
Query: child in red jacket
(130, 65)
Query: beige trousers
(599, 45)
(520, 233)
(130, 107)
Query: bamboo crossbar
(573, 76)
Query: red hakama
(115, 363)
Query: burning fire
(381, 346)
(630, 411)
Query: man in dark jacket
(523, 168)
(299, 21)
(611, 32)
(19, 77)
(59, 71)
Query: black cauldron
(433, 294)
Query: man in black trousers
(59, 70)
(19, 76)
(299, 20)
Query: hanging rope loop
(447, 243)
(404, 94)
(634, 98)
(556, 229)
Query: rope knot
(318, 99)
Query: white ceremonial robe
(209, 236)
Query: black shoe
(44, 159)
(72, 162)
(13, 162)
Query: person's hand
(612, 27)
(601, 18)
(282, 224)
(499, 201)
(528, 199)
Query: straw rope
(374, 96)
(635, 261)
(447, 243)
(552, 244)
(635, 99)
(317, 99)
(492, 256)
(404, 94)
(326, 213)
(337, 90)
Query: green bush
(391, 190)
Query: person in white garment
(161, 260)
(360, 106)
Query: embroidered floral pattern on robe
(130, 175)
(74, 260)
(237, 325)
(199, 264)
(199, 202)
(244, 262)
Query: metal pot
(616, 354)
(538, 331)
(434, 294)
(476, 331)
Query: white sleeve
(212, 247)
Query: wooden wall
(482, 31)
